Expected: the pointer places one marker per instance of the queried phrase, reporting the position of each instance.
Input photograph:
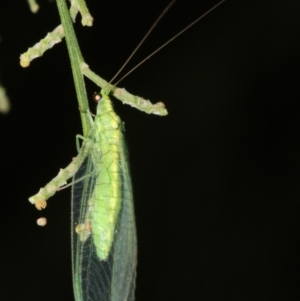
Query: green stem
(34, 7)
(124, 96)
(4, 101)
(40, 198)
(87, 19)
(76, 59)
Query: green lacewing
(104, 247)
(104, 244)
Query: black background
(216, 182)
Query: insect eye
(97, 97)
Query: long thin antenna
(169, 41)
(144, 38)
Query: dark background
(216, 182)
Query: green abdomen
(107, 195)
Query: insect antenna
(162, 46)
(143, 39)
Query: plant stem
(76, 59)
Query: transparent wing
(125, 245)
(112, 279)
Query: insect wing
(82, 253)
(125, 245)
(112, 279)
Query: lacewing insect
(104, 246)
